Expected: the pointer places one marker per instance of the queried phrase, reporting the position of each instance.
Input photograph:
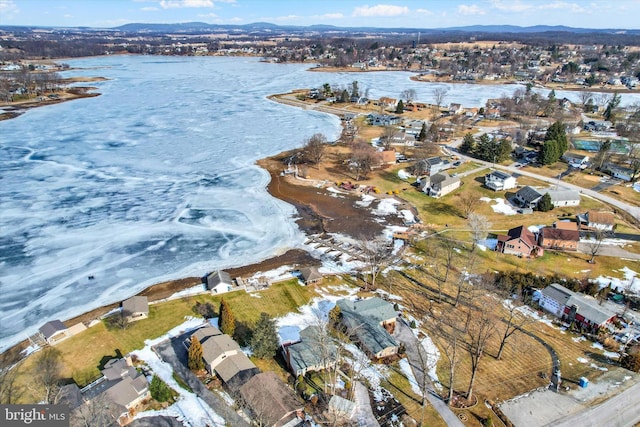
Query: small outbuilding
(311, 275)
(135, 308)
(219, 282)
(54, 331)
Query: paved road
(608, 250)
(364, 414)
(405, 335)
(621, 410)
(632, 210)
(174, 353)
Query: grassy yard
(86, 353)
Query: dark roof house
(272, 402)
(311, 275)
(54, 331)
(367, 320)
(314, 352)
(518, 241)
(219, 282)
(528, 197)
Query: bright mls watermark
(34, 415)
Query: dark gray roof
(310, 274)
(528, 194)
(557, 293)
(51, 328)
(137, 304)
(116, 369)
(217, 277)
(363, 319)
(589, 309)
(312, 350)
(500, 175)
(236, 369)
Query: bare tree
(389, 133)
(10, 390)
(362, 160)
(585, 96)
(46, 375)
(480, 328)
(451, 340)
(408, 95)
(97, 412)
(377, 254)
(512, 322)
(594, 244)
(479, 226)
(462, 281)
(439, 95)
(469, 203)
(314, 148)
(421, 364)
(443, 269)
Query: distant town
(463, 265)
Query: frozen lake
(155, 179)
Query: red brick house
(518, 241)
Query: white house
(564, 197)
(553, 299)
(619, 172)
(440, 184)
(576, 160)
(499, 181)
(219, 282)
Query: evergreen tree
(549, 152)
(264, 341)
(609, 113)
(468, 143)
(557, 133)
(504, 150)
(486, 149)
(159, 390)
(545, 205)
(400, 107)
(354, 89)
(344, 97)
(423, 133)
(335, 316)
(227, 320)
(195, 361)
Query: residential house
(558, 238)
(54, 331)
(219, 282)
(433, 165)
(222, 356)
(455, 108)
(386, 102)
(518, 241)
(499, 181)
(313, 352)
(311, 275)
(574, 307)
(576, 160)
(383, 119)
(528, 197)
(440, 184)
(272, 402)
(135, 308)
(370, 320)
(596, 221)
(388, 157)
(122, 388)
(561, 198)
(619, 172)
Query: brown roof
(560, 234)
(566, 225)
(270, 398)
(599, 217)
(522, 233)
(216, 345)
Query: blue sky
(356, 13)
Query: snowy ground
(630, 282)
(501, 206)
(189, 408)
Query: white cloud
(8, 8)
(473, 9)
(380, 10)
(286, 18)
(515, 6)
(557, 5)
(208, 15)
(178, 4)
(331, 16)
(68, 16)
(424, 12)
(149, 9)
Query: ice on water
(156, 178)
